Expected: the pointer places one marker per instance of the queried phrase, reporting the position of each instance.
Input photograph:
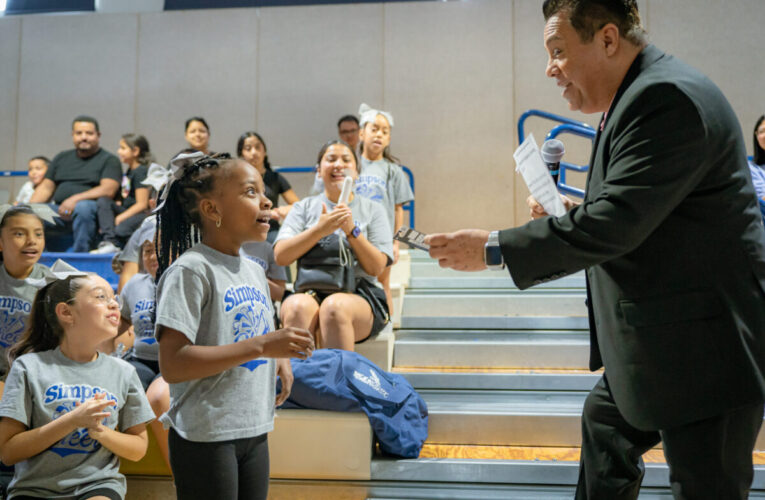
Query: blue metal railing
(409, 207)
(567, 126)
(548, 116)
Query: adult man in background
(75, 179)
(348, 130)
(674, 249)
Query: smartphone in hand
(412, 237)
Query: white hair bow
(156, 177)
(60, 270)
(177, 166)
(41, 210)
(367, 114)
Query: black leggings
(228, 470)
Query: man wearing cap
(75, 179)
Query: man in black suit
(670, 235)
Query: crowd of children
(191, 344)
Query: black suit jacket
(674, 247)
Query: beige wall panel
(316, 65)
(721, 40)
(196, 63)
(449, 85)
(10, 39)
(71, 65)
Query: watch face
(493, 256)
(356, 231)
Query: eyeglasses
(107, 299)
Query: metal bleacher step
(494, 281)
(504, 418)
(464, 322)
(520, 472)
(492, 349)
(502, 380)
(492, 304)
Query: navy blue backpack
(345, 381)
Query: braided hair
(179, 222)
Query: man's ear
(610, 38)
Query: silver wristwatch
(492, 253)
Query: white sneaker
(105, 247)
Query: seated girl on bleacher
(68, 412)
(21, 244)
(341, 318)
(118, 221)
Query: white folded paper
(529, 163)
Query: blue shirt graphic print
(252, 314)
(13, 319)
(63, 398)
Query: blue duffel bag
(338, 380)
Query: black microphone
(552, 152)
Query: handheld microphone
(345, 194)
(552, 152)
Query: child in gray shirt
(23, 240)
(381, 179)
(69, 412)
(215, 329)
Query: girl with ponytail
(69, 413)
(22, 240)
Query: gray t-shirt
(218, 299)
(262, 253)
(138, 300)
(41, 387)
(369, 215)
(16, 297)
(132, 250)
(384, 182)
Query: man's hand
(119, 219)
(537, 211)
(462, 251)
(66, 209)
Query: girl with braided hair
(214, 324)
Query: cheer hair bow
(178, 166)
(368, 114)
(60, 270)
(156, 177)
(41, 210)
